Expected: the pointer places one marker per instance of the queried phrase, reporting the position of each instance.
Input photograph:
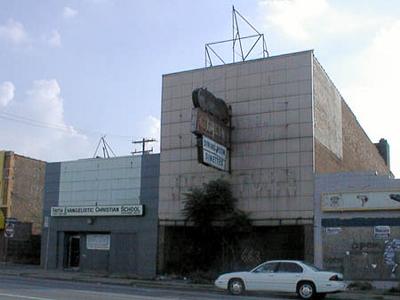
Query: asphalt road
(14, 288)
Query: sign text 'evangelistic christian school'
(108, 210)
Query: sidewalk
(30, 271)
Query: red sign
(205, 124)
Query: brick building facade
(21, 199)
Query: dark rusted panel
(209, 103)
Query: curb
(121, 282)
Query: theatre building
(101, 215)
(287, 124)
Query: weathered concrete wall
(351, 246)
(341, 144)
(100, 181)
(327, 111)
(272, 140)
(359, 256)
(26, 196)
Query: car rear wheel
(306, 290)
(236, 286)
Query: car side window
(288, 267)
(266, 268)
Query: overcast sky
(71, 71)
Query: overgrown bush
(217, 225)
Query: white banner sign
(382, 232)
(109, 210)
(98, 242)
(9, 230)
(388, 200)
(214, 154)
(333, 230)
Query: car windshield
(312, 267)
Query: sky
(72, 71)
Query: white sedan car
(284, 276)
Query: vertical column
(318, 251)
(161, 249)
(309, 243)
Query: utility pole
(143, 142)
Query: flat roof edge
(242, 62)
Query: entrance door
(73, 251)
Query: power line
(60, 127)
(32, 122)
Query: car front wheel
(236, 286)
(306, 290)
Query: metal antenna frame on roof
(236, 42)
(106, 148)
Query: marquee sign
(206, 124)
(351, 201)
(211, 124)
(213, 154)
(89, 211)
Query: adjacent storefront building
(21, 204)
(357, 225)
(101, 215)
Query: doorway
(73, 252)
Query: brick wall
(359, 153)
(27, 191)
(340, 128)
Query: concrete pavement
(14, 287)
(35, 272)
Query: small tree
(216, 221)
(213, 202)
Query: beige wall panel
(272, 140)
